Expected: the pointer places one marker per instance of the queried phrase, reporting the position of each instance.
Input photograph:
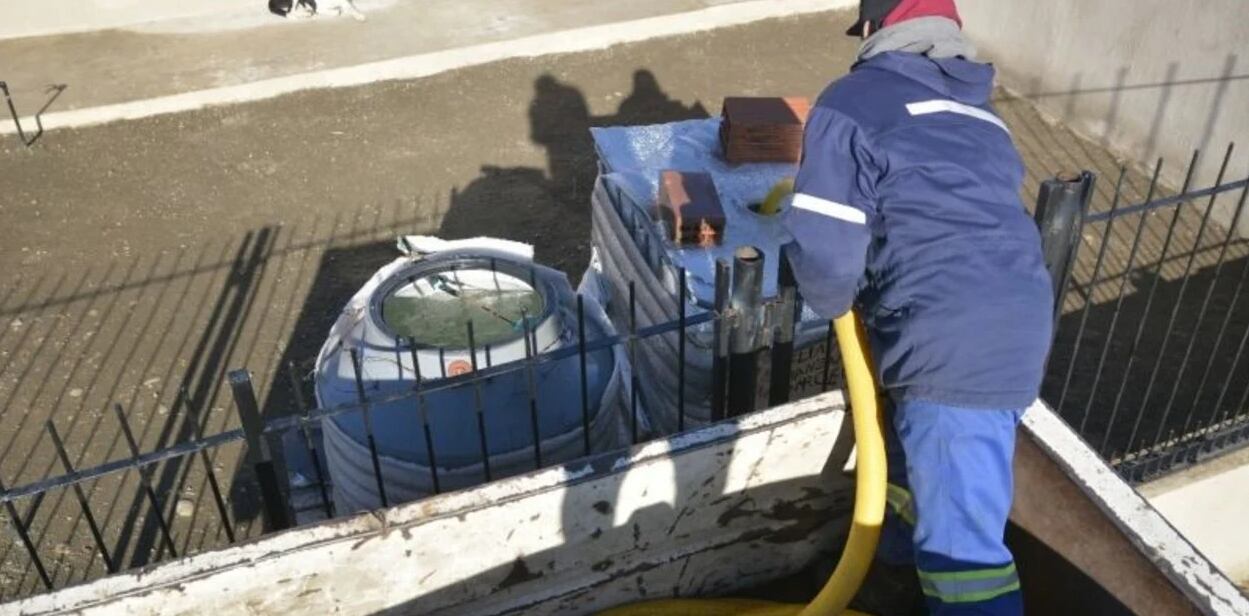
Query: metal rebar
(478, 404)
(17, 122)
(358, 371)
(585, 386)
(1114, 318)
(1144, 320)
(633, 361)
(213, 485)
(682, 298)
(830, 340)
(530, 344)
(1201, 319)
(292, 373)
(23, 533)
(1092, 287)
(82, 498)
(145, 476)
(1179, 300)
(423, 413)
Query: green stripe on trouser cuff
(970, 586)
(901, 502)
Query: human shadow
(549, 207)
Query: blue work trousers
(950, 490)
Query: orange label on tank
(459, 367)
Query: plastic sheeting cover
(633, 156)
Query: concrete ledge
(1209, 503)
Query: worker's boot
(890, 590)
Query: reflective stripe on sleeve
(832, 209)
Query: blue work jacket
(907, 204)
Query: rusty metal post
(1060, 210)
(259, 451)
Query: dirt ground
(150, 257)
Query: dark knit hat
(871, 11)
(883, 13)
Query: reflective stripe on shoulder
(970, 586)
(832, 209)
(946, 106)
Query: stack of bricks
(690, 208)
(756, 130)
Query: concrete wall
(1148, 78)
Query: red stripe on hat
(910, 9)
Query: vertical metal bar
(530, 344)
(1179, 298)
(747, 303)
(423, 411)
(719, 361)
(442, 361)
(585, 386)
(489, 361)
(24, 534)
(1092, 288)
(213, 485)
(82, 498)
(783, 349)
(477, 404)
(1144, 321)
(1114, 319)
(292, 373)
(145, 477)
(259, 454)
(367, 415)
(1201, 319)
(682, 299)
(633, 361)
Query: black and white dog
(310, 8)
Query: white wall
(1149, 78)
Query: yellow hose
(869, 506)
(772, 203)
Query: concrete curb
(424, 65)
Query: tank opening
(434, 308)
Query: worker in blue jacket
(907, 205)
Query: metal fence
(753, 366)
(1145, 365)
(1148, 361)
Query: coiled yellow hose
(869, 506)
